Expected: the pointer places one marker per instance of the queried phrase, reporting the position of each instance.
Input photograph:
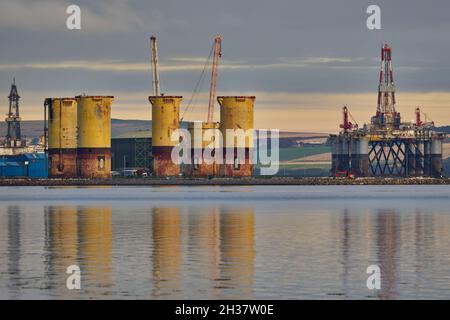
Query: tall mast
(155, 71)
(215, 64)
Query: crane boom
(155, 71)
(215, 63)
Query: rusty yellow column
(62, 137)
(199, 144)
(236, 113)
(94, 136)
(165, 121)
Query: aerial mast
(215, 64)
(155, 71)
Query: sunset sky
(303, 60)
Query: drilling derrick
(386, 117)
(13, 136)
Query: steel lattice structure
(396, 157)
(13, 135)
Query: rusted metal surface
(162, 162)
(62, 123)
(62, 163)
(236, 113)
(94, 162)
(165, 123)
(165, 119)
(239, 169)
(94, 121)
(199, 143)
(197, 169)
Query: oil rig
(387, 147)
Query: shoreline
(181, 181)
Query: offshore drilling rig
(387, 147)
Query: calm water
(225, 242)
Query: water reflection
(167, 257)
(62, 246)
(237, 248)
(224, 250)
(387, 241)
(14, 249)
(95, 232)
(221, 248)
(204, 248)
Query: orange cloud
(313, 112)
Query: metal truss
(141, 153)
(395, 157)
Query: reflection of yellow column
(237, 246)
(63, 242)
(166, 250)
(96, 244)
(387, 246)
(205, 237)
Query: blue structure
(28, 165)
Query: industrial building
(132, 151)
(387, 146)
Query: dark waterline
(225, 242)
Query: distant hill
(121, 127)
(32, 129)
(445, 129)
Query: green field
(287, 154)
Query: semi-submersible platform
(387, 147)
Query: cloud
(176, 64)
(309, 112)
(50, 16)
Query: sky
(302, 59)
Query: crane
(420, 122)
(346, 124)
(214, 69)
(154, 60)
